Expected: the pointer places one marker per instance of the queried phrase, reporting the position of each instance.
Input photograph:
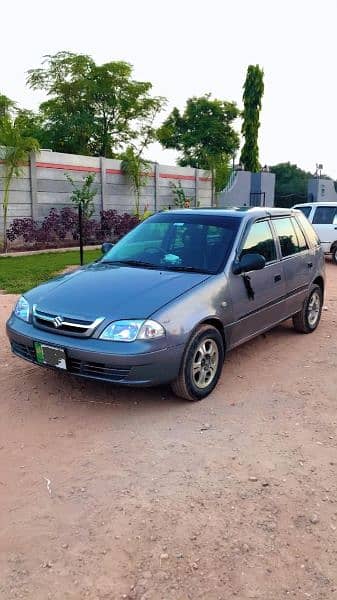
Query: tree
(291, 184)
(252, 99)
(203, 133)
(31, 125)
(93, 109)
(137, 170)
(83, 194)
(14, 152)
(7, 106)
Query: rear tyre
(307, 320)
(201, 365)
(334, 254)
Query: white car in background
(323, 217)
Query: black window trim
(298, 221)
(278, 218)
(300, 228)
(310, 244)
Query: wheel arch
(215, 322)
(319, 281)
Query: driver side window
(260, 240)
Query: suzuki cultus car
(170, 299)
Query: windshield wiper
(131, 263)
(186, 269)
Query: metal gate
(257, 198)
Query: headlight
(129, 331)
(22, 309)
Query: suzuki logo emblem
(58, 321)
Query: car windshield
(177, 241)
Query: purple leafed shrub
(60, 228)
(114, 225)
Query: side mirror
(249, 262)
(106, 246)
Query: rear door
(297, 261)
(267, 307)
(324, 221)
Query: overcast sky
(189, 47)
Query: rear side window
(304, 209)
(325, 215)
(260, 240)
(287, 236)
(309, 231)
(302, 243)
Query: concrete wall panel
(52, 190)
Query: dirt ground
(108, 493)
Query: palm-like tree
(14, 153)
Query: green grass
(20, 273)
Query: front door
(263, 306)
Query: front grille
(97, 370)
(79, 367)
(64, 325)
(26, 352)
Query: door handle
(277, 278)
(309, 265)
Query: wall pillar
(196, 187)
(33, 186)
(103, 181)
(156, 186)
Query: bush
(60, 229)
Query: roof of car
(239, 212)
(326, 203)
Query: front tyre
(307, 320)
(201, 365)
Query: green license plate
(50, 355)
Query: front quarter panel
(211, 299)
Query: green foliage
(93, 109)
(178, 194)
(223, 170)
(202, 133)
(20, 273)
(15, 147)
(290, 185)
(31, 124)
(137, 171)
(7, 106)
(252, 99)
(83, 194)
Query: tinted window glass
(287, 237)
(300, 236)
(309, 231)
(260, 240)
(174, 241)
(305, 210)
(324, 215)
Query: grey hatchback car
(174, 295)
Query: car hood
(110, 291)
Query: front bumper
(129, 364)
